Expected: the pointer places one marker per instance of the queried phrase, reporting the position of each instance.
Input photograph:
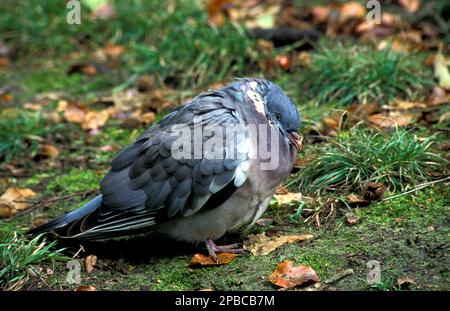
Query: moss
(75, 180)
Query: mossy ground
(408, 235)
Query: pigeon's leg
(213, 249)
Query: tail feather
(70, 217)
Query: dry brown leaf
(351, 218)
(281, 189)
(12, 201)
(441, 71)
(90, 262)
(108, 148)
(438, 96)
(410, 5)
(202, 260)
(373, 191)
(217, 10)
(284, 62)
(50, 151)
(6, 97)
(288, 197)
(407, 105)
(394, 119)
(352, 9)
(86, 69)
(148, 117)
(288, 276)
(355, 199)
(31, 106)
(6, 209)
(264, 221)
(404, 282)
(113, 51)
(262, 245)
(95, 119)
(320, 13)
(85, 288)
(72, 111)
(104, 12)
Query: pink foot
(213, 249)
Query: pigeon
(208, 168)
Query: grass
(182, 48)
(18, 255)
(360, 156)
(76, 180)
(21, 131)
(344, 75)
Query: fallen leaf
(12, 201)
(288, 276)
(351, 218)
(264, 221)
(407, 105)
(83, 68)
(352, 9)
(438, 96)
(404, 282)
(90, 262)
(392, 120)
(262, 245)
(281, 189)
(113, 51)
(217, 11)
(148, 117)
(108, 148)
(441, 71)
(104, 12)
(95, 119)
(6, 97)
(320, 13)
(34, 107)
(50, 151)
(410, 5)
(72, 111)
(354, 199)
(146, 83)
(373, 191)
(284, 62)
(202, 260)
(85, 288)
(288, 197)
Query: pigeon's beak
(296, 140)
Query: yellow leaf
(262, 245)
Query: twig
(338, 277)
(421, 186)
(42, 203)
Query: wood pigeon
(197, 174)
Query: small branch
(424, 185)
(338, 277)
(43, 203)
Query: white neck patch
(256, 98)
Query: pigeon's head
(279, 110)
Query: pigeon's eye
(277, 116)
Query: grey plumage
(195, 199)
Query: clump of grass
(362, 74)
(354, 158)
(18, 254)
(20, 132)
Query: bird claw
(213, 249)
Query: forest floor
(371, 184)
